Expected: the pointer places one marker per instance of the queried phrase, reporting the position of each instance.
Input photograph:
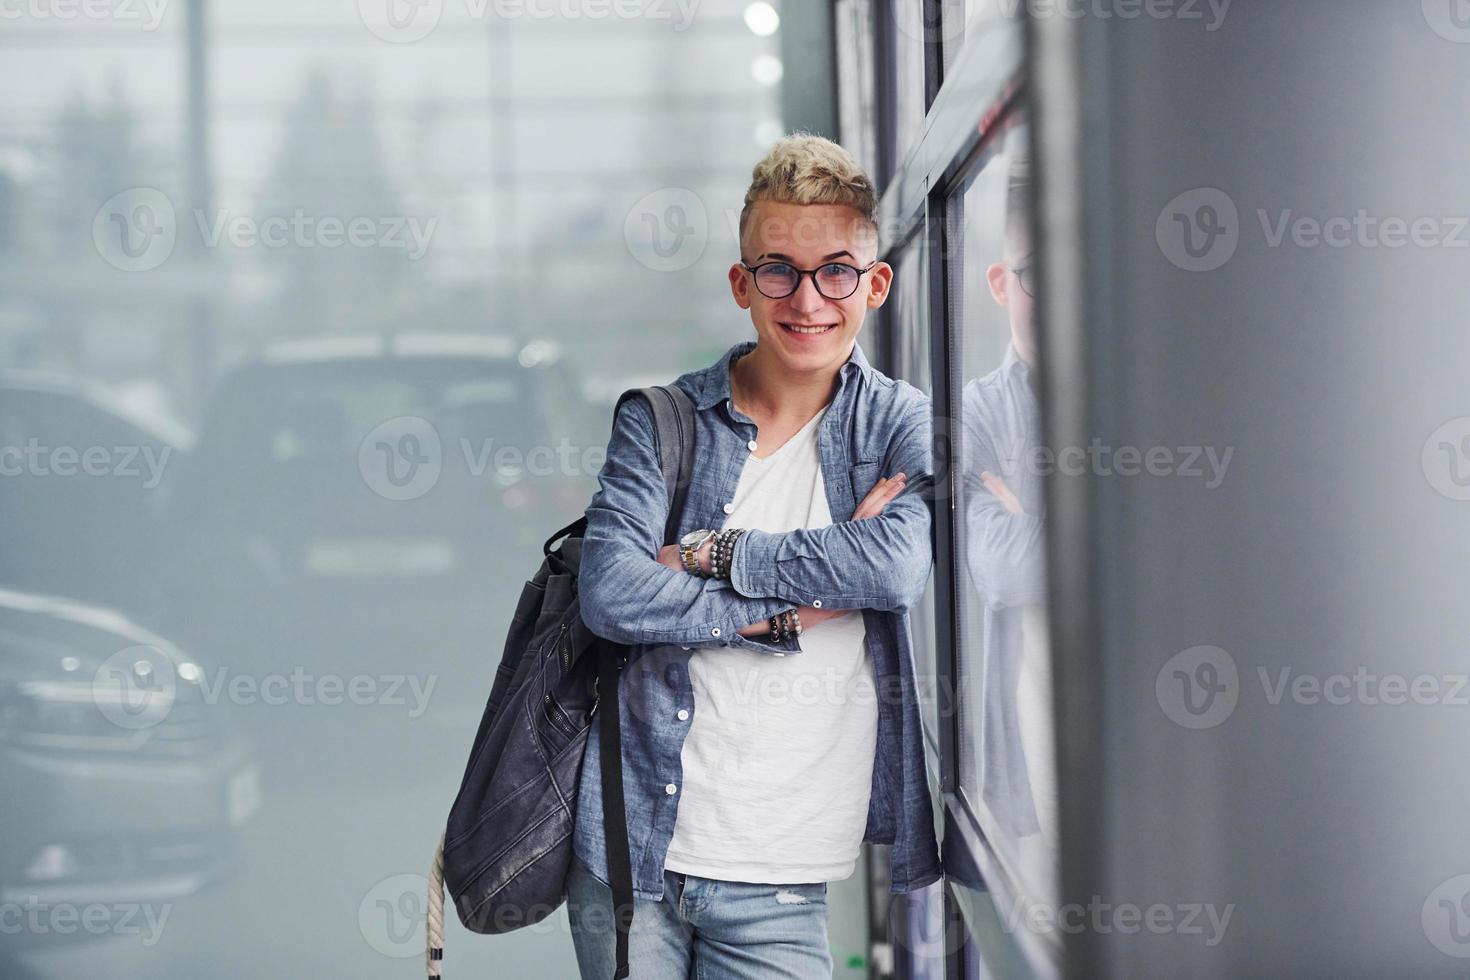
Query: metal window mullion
(885, 94)
(1070, 188)
(946, 608)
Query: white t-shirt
(778, 762)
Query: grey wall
(1335, 543)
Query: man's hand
(883, 492)
(998, 487)
(669, 555)
(809, 618)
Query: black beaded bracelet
(723, 553)
(730, 552)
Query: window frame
(969, 101)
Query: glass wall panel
(1006, 768)
(910, 318)
(908, 62)
(856, 117)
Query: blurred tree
(94, 153)
(331, 171)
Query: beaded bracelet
(795, 622)
(724, 550)
(723, 553)
(785, 625)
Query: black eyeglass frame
(1022, 274)
(806, 272)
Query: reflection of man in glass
(1005, 545)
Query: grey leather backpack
(508, 842)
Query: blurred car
(351, 494)
(81, 490)
(122, 783)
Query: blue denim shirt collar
(714, 382)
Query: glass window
(908, 313)
(854, 24)
(955, 24)
(909, 102)
(1006, 768)
(962, 20)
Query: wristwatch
(689, 546)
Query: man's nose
(806, 299)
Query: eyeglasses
(834, 280)
(1026, 276)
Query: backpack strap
(673, 424)
(673, 421)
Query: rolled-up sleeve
(626, 595)
(877, 563)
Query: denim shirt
(876, 427)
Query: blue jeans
(704, 929)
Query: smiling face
(807, 331)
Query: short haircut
(807, 169)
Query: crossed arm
(630, 595)
(1005, 546)
(883, 492)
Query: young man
(756, 759)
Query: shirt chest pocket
(862, 476)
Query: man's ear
(740, 286)
(995, 275)
(880, 282)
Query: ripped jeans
(703, 929)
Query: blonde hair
(806, 169)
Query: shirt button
(750, 445)
(715, 631)
(683, 715)
(729, 508)
(671, 789)
(816, 603)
